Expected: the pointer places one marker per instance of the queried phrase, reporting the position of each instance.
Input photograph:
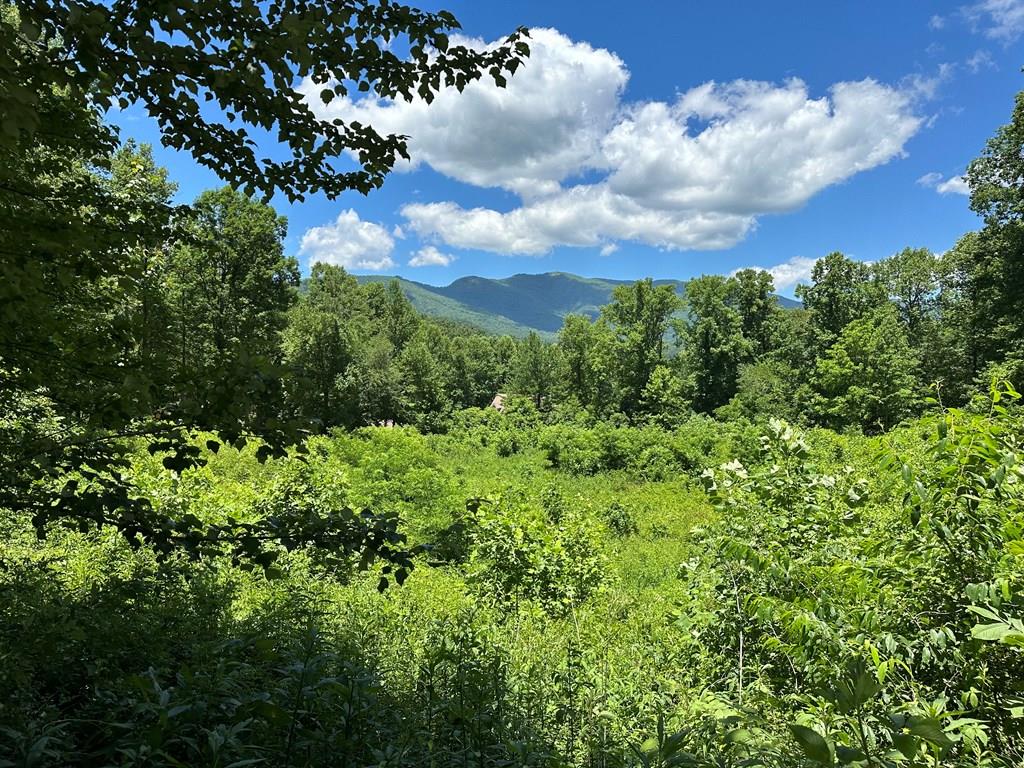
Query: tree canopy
(220, 75)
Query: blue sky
(672, 139)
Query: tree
(910, 279)
(232, 287)
(478, 369)
(996, 178)
(987, 267)
(82, 227)
(426, 381)
(535, 370)
(765, 390)
(334, 290)
(713, 342)
(665, 397)
(87, 361)
(981, 299)
(917, 284)
(795, 343)
(752, 294)
(842, 291)
(319, 344)
(504, 358)
(776, 385)
(318, 353)
(391, 310)
(576, 342)
(375, 381)
(867, 378)
(639, 315)
(245, 58)
(84, 282)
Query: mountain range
(521, 303)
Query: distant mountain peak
(519, 303)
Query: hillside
(429, 300)
(518, 304)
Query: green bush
(518, 555)
(620, 520)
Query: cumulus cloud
(430, 257)
(349, 242)
(609, 248)
(586, 215)
(696, 173)
(767, 148)
(936, 22)
(954, 185)
(591, 170)
(545, 126)
(793, 272)
(1001, 20)
(790, 273)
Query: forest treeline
(218, 298)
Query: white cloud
(1000, 19)
(697, 173)
(979, 61)
(925, 87)
(936, 22)
(790, 273)
(609, 248)
(767, 148)
(545, 126)
(398, 232)
(430, 257)
(349, 242)
(586, 215)
(954, 185)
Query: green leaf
(1015, 547)
(29, 30)
(739, 736)
(985, 613)
(991, 632)
(813, 744)
(906, 744)
(931, 731)
(865, 689)
(846, 755)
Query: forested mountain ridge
(518, 304)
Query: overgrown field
(723, 600)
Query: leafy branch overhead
(218, 74)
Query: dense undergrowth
(726, 600)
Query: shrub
(517, 555)
(620, 519)
(553, 503)
(506, 443)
